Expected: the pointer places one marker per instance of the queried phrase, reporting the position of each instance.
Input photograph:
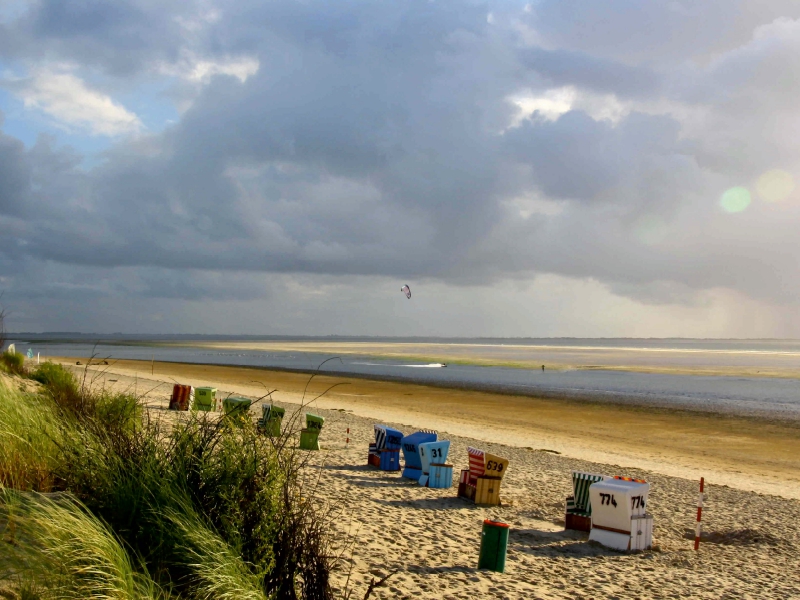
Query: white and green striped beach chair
(578, 512)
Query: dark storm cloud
(381, 140)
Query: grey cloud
(14, 175)
(576, 157)
(566, 67)
(666, 33)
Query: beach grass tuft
(136, 507)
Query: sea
(574, 367)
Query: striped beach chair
(578, 509)
(481, 482)
(182, 397)
(384, 453)
(469, 477)
(374, 457)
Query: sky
(625, 168)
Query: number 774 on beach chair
(578, 510)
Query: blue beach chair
(413, 461)
(433, 453)
(384, 453)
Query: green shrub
(13, 362)
(60, 384)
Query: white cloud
(554, 102)
(67, 99)
(550, 105)
(200, 70)
(241, 68)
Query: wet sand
(753, 454)
(674, 361)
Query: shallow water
(773, 397)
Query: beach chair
(271, 419)
(182, 397)
(481, 482)
(374, 458)
(205, 398)
(309, 437)
(578, 508)
(236, 408)
(619, 517)
(384, 452)
(436, 473)
(413, 461)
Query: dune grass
(203, 508)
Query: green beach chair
(205, 398)
(309, 437)
(578, 511)
(236, 408)
(271, 419)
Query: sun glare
(735, 200)
(775, 185)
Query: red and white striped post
(698, 527)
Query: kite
(407, 291)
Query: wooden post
(698, 527)
(347, 439)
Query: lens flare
(775, 185)
(735, 200)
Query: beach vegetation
(13, 362)
(100, 499)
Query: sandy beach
(429, 538)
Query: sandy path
(430, 538)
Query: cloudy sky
(541, 168)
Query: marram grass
(132, 508)
(218, 573)
(69, 553)
(30, 431)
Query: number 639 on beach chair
(481, 482)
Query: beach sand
(430, 539)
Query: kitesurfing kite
(407, 291)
